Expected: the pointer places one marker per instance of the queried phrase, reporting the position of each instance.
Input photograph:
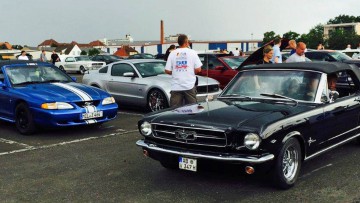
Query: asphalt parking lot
(104, 165)
(88, 164)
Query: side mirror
(74, 78)
(219, 68)
(129, 74)
(2, 84)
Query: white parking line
(14, 142)
(308, 174)
(127, 113)
(31, 148)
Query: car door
(69, 64)
(5, 94)
(124, 89)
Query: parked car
(326, 55)
(78, 64)
(353, 53)
(38, 94)
(141, 56)
(143, 83)
(222, 69)
(259, 124)
(107, 58)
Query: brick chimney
(161, 32)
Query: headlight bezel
(145, 125)
(252, 141)
(108, 100)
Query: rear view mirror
(74, 78)
(2, 84)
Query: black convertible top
(326, 67)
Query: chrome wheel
(82, 70)
(157, 100)
(290, 163)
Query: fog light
(249, 170)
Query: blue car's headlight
(108, 100)
(56, 105)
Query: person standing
(167, 53)
(268, 53)
(183, 64)
(320, 46)
(236, 52)
(277, 58)
(54, 57)
(292, 46)
(348, 47)
(299, 55)
(23, 56)
(43, 56)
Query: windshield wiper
(46, 81)
(236, 96)
(28, 82)
(279, 96)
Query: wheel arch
(299, 137)
(158, 88)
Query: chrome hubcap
(156, 101)
(290, 163)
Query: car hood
(202, 81)
(228, 115)
(62, 92)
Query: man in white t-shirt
(236, 52)
(183, 63)
(299, 55)
(23, 56)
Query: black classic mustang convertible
(269, 118)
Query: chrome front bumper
(245, 159)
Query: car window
(120, 69)
(103, 70)
(70, 59)
(234, 63)
(345, 84)
(314, 56)
(148, 69)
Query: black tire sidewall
(31, 126)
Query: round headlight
(145, 128)
(252, 141)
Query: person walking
(43, 56)
(299, 55)
(23, 56)
(54, 57)
(277, 58)
(183, 64)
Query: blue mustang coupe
(39, 94)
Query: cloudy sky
(30, 22)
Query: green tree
(83, 52)
(291, 35)
(339, 39)
(314, 37)
(268, 36)
(344, 19)
(93, 52)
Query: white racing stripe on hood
(83, 95)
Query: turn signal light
(249, 170)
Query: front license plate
(95, 114)
(187, 164)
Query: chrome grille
(189, 135)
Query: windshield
(339, 56)
(298, 85)
(112, 57)
(35, 74)
(150, 68)
(233, 62)
(82, 58)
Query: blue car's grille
(91, 103)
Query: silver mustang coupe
(143, 82)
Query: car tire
(82, 70)
(156, 100)
(24, 120)
(288, 164)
